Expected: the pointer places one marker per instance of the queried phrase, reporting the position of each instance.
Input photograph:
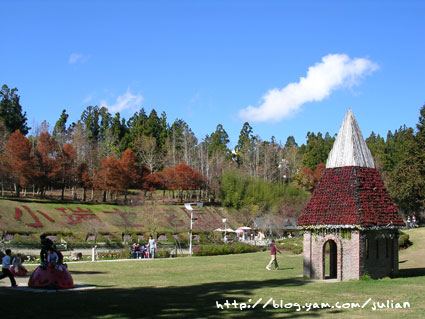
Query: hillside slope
(38, 217)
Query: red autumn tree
(128, 166)
(64, 170)
(169, 179)
(110, 177)
(152, 182)
(318, 173)
(84, 179)
(47, 153)
(188, 178)
(18, 161)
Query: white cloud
(195, 98)
(333, 72)
(127, 101)
(88, 98)
(77, 57)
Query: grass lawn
(189, 288)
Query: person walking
(5, 265)
(413, 221)
(273, 260)
(152, 247)
(408, 222)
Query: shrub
(213, 250)
(20, 240)
(365, 277)
(295, 245)
(203, 238)
(183, 238)
(162, 253)
(134, 238)
(112, 244)
(170, 238)
(403, 240)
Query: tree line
(106, 152)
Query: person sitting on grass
(5, 265)
(273, 259)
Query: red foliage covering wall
(350, 195)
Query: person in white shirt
(152, 247)
(5, 265)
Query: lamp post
(225, 228)
(189, 207)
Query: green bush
(295, 244)
(170, 237)
(162, 253)
(183, 238)
(213, 250)
(112, 244)
(365, 277)
(115, 237)
(25, 241)
(204, 238)
(242, 191)
(403, 240)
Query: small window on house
(377, 249)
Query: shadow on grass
(88, 272)
(410, 272)
(285, 268)
(196, 301)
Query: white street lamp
(189, 207)
(225, 228)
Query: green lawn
(189, 288)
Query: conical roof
(350, 196)
(350, 193)
(349, 148)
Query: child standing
(5, 265)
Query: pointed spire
(349, 148)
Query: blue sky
(207, 62)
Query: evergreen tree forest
(104, 157)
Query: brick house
(350, 215)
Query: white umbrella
(219, 229)
(238, 231)
(245, 228)
(228, 230)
